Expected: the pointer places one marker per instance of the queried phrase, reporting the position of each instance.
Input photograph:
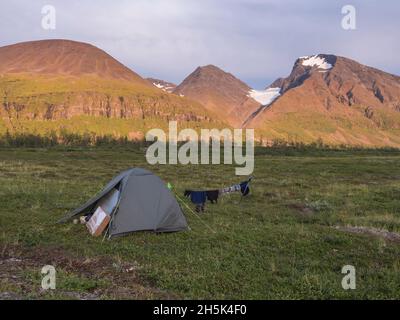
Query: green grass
(25, 100)
(280, 242)
(336, 128)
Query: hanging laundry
(198, 198)
(230, 189)
(244, 188)
(212, 195)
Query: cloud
(256, 40)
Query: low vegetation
(289, 238)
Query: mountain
(54, 85)
(219, 92)
(163, 85)
(334, 99)
(51, 85)
(63, 57)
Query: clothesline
(199, 197)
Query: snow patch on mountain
(163, 87)
(265, 97)
(311, 61)
(158, 85)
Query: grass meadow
(309, 213)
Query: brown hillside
(63, 57)
(346, 102)
(219, 92)
(46, 83)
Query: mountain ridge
(220, 92)
(325, 97)
(355, 104)
(63, 57)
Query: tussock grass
(280, 242)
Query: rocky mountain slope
(219, 92)
(61, 84)
(58, 80)
(334, 99)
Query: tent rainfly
(136, 200)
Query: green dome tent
(136, 200)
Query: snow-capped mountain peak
(316, 60)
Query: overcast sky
(256, 40)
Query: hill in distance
(52, 84)
(63, 57)
(335, 99)
(220, 92)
